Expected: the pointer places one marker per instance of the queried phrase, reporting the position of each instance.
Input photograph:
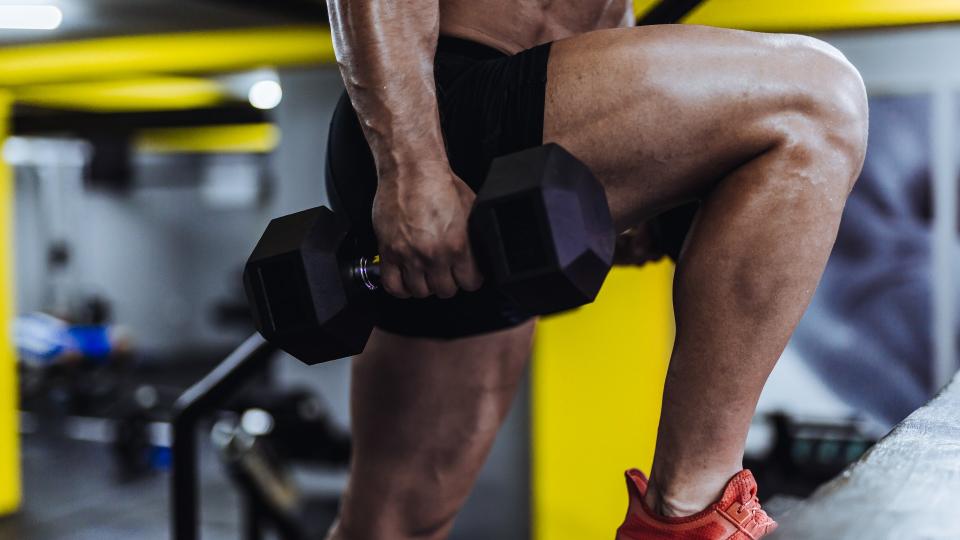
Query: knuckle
(397, 292)
(420, 256)
(473, 283)
(439, 268)
(392, 284)
(432, 254)
(421, 293)
(392, 289)
(402, 252)
(461, 247)
(446, 293)
(444, 286)
(455, 244)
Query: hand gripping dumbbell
(540, 229)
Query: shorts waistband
(465, 47)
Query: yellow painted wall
(9, 441)
(597, 382)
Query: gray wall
(160, 255)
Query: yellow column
(597, 382)
(9, 438)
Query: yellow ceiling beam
(142, 94)
(212, 51)
(816, 15)
(232, 139)
(143, 57)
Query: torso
(514, 25)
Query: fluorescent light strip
(30, 17)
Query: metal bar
(944, 146)
(199, 400)
(668, 12)
(37, 121)
(297, 10)
(252, 519)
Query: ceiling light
(30, 17)
(265, 94)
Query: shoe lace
(751, 505)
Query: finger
(391, 278)
(441, 282)
(466, 273)
(415, 282)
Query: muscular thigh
(661, 112)
(433, 393)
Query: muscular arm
(385, 50)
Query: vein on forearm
(385, 51)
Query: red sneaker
(736, 516)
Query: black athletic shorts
(491, 104)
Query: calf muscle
(769, 133)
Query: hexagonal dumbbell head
(542, 229)
(301, 294)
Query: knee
(397, 512)
(827, 120)
(414, 495)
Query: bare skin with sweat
(767, 131)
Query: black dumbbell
(540, 229)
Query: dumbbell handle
(367, 272)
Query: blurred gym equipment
(267, 432)
(202, 399)
(907, 486)
(806, 453)
(259, 446)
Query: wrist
(422, 169)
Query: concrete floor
(72, 491)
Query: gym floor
(73, 489)
(70, 492)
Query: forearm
(385, 50)
(629, 17)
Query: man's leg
(770, 132)
(424, 416)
